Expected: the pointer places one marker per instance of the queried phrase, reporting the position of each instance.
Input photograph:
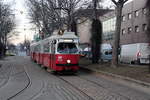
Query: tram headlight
(68, 61)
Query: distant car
(87, 52)
(106, 55)
(81, 52)
(106, 52)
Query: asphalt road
(22, 79)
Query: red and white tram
(58, 52)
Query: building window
(129, 30)
(136, 13)
(129, 16)
(123, 31)
(123, 18)
(144, 27)
(137, 29)
(144, 10)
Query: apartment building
(134, 23)
(133, 29)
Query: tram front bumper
(67, 65)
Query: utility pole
(95, 8)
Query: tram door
(52, 55)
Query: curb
(145, 84)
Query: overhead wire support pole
(95, 8)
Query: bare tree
(54, 14)
(7, 24)
(69, 7)
(119, 6)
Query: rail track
(23, 89)
(79, 90)
(65, 79)
(103, 87)
(5, 75)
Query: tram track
(103, 87)
(5, 77)
(96, 84)
(114, 86)
(70, 93)
(23, 89)
(79, 90)
(10, 73)
(39, 93)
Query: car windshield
(67, 48)
(109, 52)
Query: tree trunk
(74, 27)
(69, 21)
(116, 37)
(96, 40)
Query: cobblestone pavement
(21, 79)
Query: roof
(89, 12)
(67, 35)
(108, 15)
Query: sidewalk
(135, 73)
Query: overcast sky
(23, 25)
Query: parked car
(87, 52)
(81, 52)
(106, 52)
(137, 53)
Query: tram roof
(68, 35)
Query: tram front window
(67, 48)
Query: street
(22, 79)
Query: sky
(23, 25)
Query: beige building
(84, 24)
(84, 31)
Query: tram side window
(37, 48)
(46, 47)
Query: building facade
(84, 23)
(133, 28)
(109, 25)
(134, 23)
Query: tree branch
(114, 2)
(125, 1)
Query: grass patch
(138, 72)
